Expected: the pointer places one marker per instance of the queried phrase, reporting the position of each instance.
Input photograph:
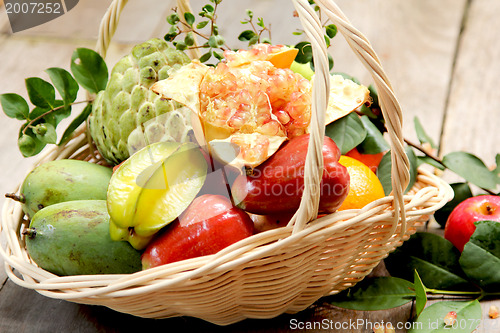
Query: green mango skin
(64, 180)
(72, 238)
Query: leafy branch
(439, 163)
(43, 115)
(427, 265)
(88, 70)
(254, 36)
(187, 28)
(182, 32)
(304, 55)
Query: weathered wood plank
(472, 116)
(82, 22)
(415, 41)
(23, 310)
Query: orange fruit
(253, 101)
(371, 160)
(365, 186)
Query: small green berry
(27, 145)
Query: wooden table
(443, 58)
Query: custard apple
(127, 115)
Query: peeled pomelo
(254, 100)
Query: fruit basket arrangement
(281, 270)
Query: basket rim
(429, 194)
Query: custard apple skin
(127, 115)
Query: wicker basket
(279, 271)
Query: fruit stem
(436, 159)
(15, 197)
(29, 125)
(29, 232)
(452, 292)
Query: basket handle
(389, 104)
(360, 45)
(391, 109)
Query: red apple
(208, 225)
(460, 224)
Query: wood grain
(472, 115)
(415, 41)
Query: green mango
(63, 180)
(72, 238)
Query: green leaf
(331, 30)
(181, 45)
(420, 294)
(217, 55)
(260, 22)
(327, 40)
(75, 123)
(497, 169)
(384, 170)
(40, 92)
(206, 56)
(215, 29)
(14, 106)
(89, 69)
(246, 35)
(266, 40)
(330, 62)
(53, 116)
(189, 17)
(37, 112)
(249, 13)
(65, 84)
(56, 116)
(171, 34)
(375, 294)
(254, 40)
(462, 191)
(431, 162)
(207, 11)
(304, 55)
(173, 19)
(189, 39)
(435, 259)
(48, 135)
(432, 318)
(202, 24)
(374, 142)
(471, 168)
(216, 41)
(421, 134)
(480, 258)
(347, 132)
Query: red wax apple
(276, 186)
(208, 225)
(460, 224)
